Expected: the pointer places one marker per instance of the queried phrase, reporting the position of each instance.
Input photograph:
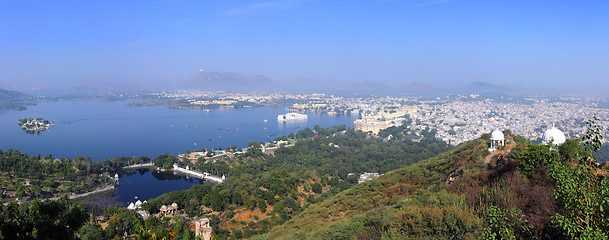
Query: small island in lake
(35, 124)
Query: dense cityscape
(457, 119)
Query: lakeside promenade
(71, 196)
(74, 196)
(139, 165)
(204, 175)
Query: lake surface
(102, 129)
(146, 183)
(141, 184)
(110, 129)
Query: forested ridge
(526, 191)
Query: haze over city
(556, 46)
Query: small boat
(227, 128)
(266, 120)
(219, 128)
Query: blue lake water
(103, 129)
(110, 129)
(144, 184)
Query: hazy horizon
(544, 45)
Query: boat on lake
(291, 117)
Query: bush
(317, 188)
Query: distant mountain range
(92, 88)
(6, 95)
(231, 81)
(228, 81)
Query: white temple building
(553, 135)
(497, 139)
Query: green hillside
(524, 191)
(369, 209)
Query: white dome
(553, 135)
(497, 135)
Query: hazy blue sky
(439, 42)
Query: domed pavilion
(497, 139)
(553, 135)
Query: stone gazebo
(497, 139)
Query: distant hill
(478, 85)
(95, 88)
(420, 89)
(228, 81)
(418, 86)
(485, 88)
(14, 100)
(6, 95)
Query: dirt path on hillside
(508, 148)
(487, 160)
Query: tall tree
(583, 191)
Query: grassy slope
(403, 197)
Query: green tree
(262, 205)
(536, 156)
(570, 149)
(42, 220)
(216, 201)
(582, 193)
(165, 161)
(317, 188)
(143, 159)
(508, 224)
(92, 232)
(250, 202)
(254, 145)
(452, 132)
(122, 221)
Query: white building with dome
(497, 139)
(553, 135)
